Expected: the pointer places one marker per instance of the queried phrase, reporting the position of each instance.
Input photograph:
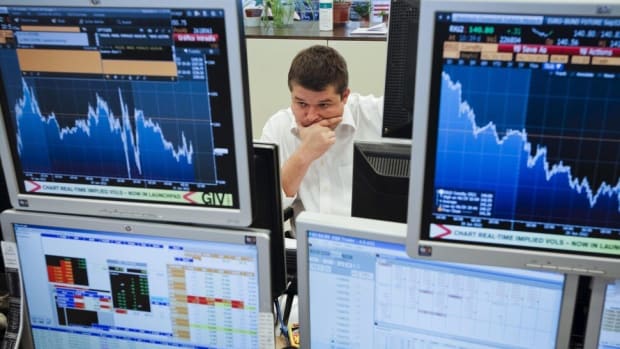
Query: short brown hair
(317, 67)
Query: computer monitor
(515, 135)
(359, 289)
(603, 326)
(132, 110)
(100, 282)
(380, 180)
(381, 169)
(402, 44)
(267, 204)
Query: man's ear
(345, 95)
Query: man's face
(311, 107)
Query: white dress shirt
(327, 185)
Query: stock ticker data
(47, 147)
(528, 127)
(120, 103)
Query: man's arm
(293, 171)
(315, 141)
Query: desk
(280, 343)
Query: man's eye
(302, 104)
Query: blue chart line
(100, 144)
(525, 184)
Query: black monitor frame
(402, 44)
(268, 210)
(380, 181)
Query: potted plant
(341, 11)
(362, 8)
(385, 16)
(280, 12)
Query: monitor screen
(126, 111)
(515, 135)
(359, 289)
(95, 283)
(603, 326)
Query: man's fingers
(330, 122)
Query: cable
(283, 328)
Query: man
(316, 134)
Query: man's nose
(313, 115)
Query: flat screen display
(135, 112)
(365, 292)
(603, 325)
(609, 336)
(517, 150)
(116, 283)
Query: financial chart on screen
(368, 294)
(98, 289)
(120, 103)
(526, 148)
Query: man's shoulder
(357, 98)
(366, 113)
(282, 114)
(367, 107)
(278, 125)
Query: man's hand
(317, 138)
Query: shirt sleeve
(275, 127)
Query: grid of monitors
(515, 135)
(100, 282)
(126, 109)
(603, 326)
(359, 289)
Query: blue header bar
(355, 241)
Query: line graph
(531, 158)
(98, 142)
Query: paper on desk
(379, 29)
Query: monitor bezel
(390, 232)
(159, 211)
(155, 229)
(507, 256)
